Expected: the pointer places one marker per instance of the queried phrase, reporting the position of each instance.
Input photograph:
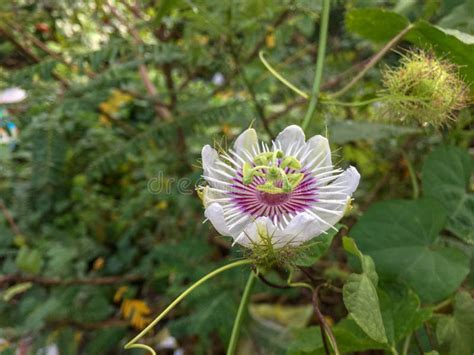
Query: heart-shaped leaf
(401, 236)
(446, 175)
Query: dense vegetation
(100, 225)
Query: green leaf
(460, 17)
(454, 332)
(349, 336)
(380, 25)
(375, 24)
(401, 238)
(361, 300)
(316, 248)
(351, 131)
(294, 316)
(401, 312)
(29, 260)
(164, 9)
(367, 263)
(446, 175)
(104, 340)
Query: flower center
(273, 199)
(281, 174)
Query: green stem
(131, 343)
(323, 35)
(442, 304)
(326, 101)
(374, 60)
(411, 171)
(355, 103)
(406, 345)
(280, 77)
(234, 338)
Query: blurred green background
(101, 227)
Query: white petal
(291, 136)
(209, 159)
(245, 142)
(319, 144)
(300, 229)
(348, 182)
(215, 213)
(211, 168)
(349, 179)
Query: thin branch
(9, 218)
(323, 325)
(43, 47)
(374, 60)
(134, 9)
(271, 284)
(50, 281)
(161, 111)
(37, 43)
(29, 54)
(279, 20)
(321, 320)
(108, 323)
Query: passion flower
(276, 196)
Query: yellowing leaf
(119, 294)
(270, 40)
(136, 311)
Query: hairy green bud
(424, 89)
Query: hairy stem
(323, 35)
(131, 343)
(234, 338)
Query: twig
(160, 110)
(430, 336)
(47, 281)
(258, 107)
(134, 9)
(271, 284)
(279, 20)
(39, 44)
(9, 218)
(374, 60)
(323, 327)
(309, 276)
(167, 71)
(108, 323)
(29, 54)
(418, 343)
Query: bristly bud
(424, 89)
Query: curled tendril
(133, 343)
(280, 77)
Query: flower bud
(424, 89)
